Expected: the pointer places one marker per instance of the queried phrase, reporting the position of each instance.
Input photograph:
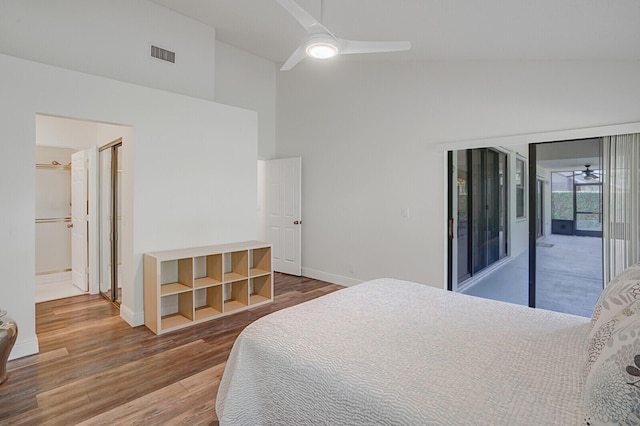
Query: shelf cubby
(236, 265)
(260, 290)
(236, 296)
(260, 261)
(207, 270)
(176, 276)
(192, 285)
(180, 316)
(208, 302)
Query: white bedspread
(390, 352)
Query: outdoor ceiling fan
(322, 44)
(589, 174)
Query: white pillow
(612, 388)
(598, 337)
(621, 292)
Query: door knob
(297, 222)
(70, 225)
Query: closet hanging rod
(53, 219)
(54, 165)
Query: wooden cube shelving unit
(208, 270)
(236, 265)
(237, 296)
(212, 302)
(261, 290)
(190, 286)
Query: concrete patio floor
(568, 276)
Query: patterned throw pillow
(599, 337)
(620, 293)
(612, 388)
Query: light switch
(405, 212)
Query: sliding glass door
(480, 201)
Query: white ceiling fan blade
(297, 56)
(353, 46)
(308, 22)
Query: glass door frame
(533, 237)
(114, 234)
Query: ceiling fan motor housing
(321, 46)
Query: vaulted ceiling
(440, 30)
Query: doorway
(110, 219)
(280, 220)
(566, 264)
(54, 226)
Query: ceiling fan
(322, 44)
(589, 174)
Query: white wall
(248, 81)
(112, 39)
(192, 180)
(64, 133)
(61, 132)
(371, 134)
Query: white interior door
(79, 221)
(283, 210)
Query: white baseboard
(331, 278)
(24, 348)
(53, 278)
(134, 319)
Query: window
(481, 191)
(521, 182)
(576, 203)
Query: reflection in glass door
(539, 208)
(481, 200)
(110, 217)
(462, 186)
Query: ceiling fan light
(321, 50)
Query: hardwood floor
(94, 369)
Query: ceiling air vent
(163, 54)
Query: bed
(390, 352)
